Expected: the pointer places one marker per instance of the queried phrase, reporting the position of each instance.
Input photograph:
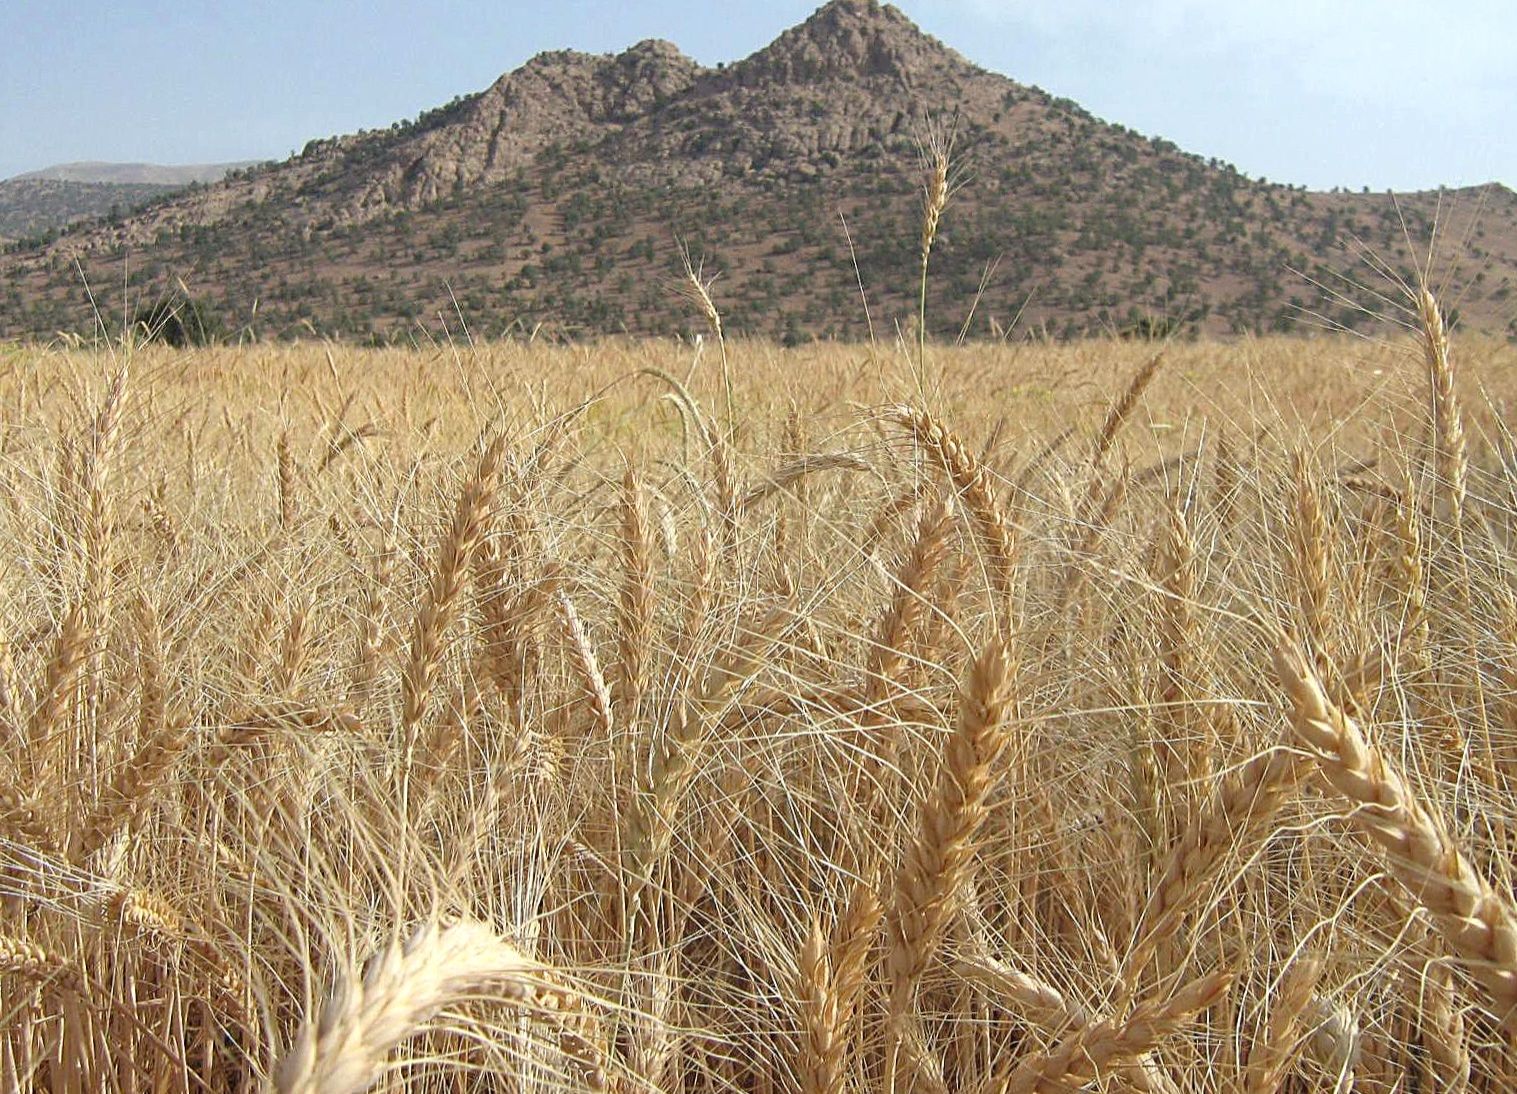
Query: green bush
(177, 320)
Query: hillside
(556, 195)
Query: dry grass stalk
(1478, 925)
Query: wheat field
(645, 717)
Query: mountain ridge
(554, 196)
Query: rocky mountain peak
(852, 39)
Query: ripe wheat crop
(850, 718)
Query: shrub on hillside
(177, 320)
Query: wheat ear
(1122, 409)
(586, 664)
(1241, 805)
(1478, 925)
(973, 484)
(1448, 426)
(441, 601)
(26, 960)
(930, 881)
(830, 986)
(1274, 1052)
(819, 1066)
(1101, 1047)
(634, 617)
(342, 1051)
(909, 601)
(1445, 1039)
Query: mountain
(559, 196)
(37, 202)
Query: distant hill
(38, 202)
(555, 197)
(137, 174)
(32, 206)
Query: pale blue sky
(1389, 93)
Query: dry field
(521, 718)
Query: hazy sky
(1389, 93)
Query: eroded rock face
(562, 98)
